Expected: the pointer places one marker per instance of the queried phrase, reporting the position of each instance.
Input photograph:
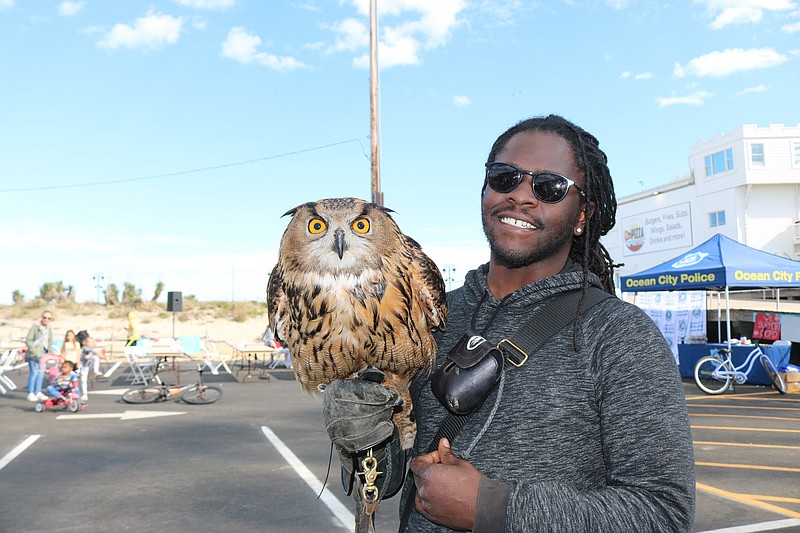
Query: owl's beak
(338, 242)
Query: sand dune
(213, 322)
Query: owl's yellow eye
(317, 226)
(361, 225)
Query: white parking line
(763, 526)
(112, 369)
(10, 456)
(340, 511)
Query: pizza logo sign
(634, 237)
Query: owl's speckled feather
(350, 290)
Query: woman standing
(39, 342)
(133, 329)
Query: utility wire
(183, 172)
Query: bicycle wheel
(774, 375)
(143, 395)
(707, 377)
(201, 394)
(73, 405)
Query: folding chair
(213, 359)
(143, 368)
(7, 364)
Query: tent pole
(778, 300)
(728, 314)
(719, 317)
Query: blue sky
(163, 140)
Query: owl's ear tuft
(294, 210)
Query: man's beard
(549, 245)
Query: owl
(350, 290)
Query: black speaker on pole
(174, 302)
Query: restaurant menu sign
(657, 230)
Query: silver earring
(578, 230)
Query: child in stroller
(64, 390)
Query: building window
(717, 218)
(719, 162)
(796, 154)
(757, 155)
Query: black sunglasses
(548, 187)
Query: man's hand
(447, 488)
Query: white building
(744, 184)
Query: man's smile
(517, 222)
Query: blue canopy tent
(720, 263)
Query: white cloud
(757, 89)
(696, 98)
(791, 28)
(68, 9)
(461, 101)
(505, 12)
(617, 4)
(243, 47)
(737, 15)
(731, 61)
(727, 12)
(149, 32)
(407, 28)
(308, 6)
(199, 24)
(351, 35)
(5, 4)
(207, 4)
(643, 76)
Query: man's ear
(581, 225)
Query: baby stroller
(68, 398)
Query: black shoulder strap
(545, 322)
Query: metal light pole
(98, 283)
(374, 101)
(449, 271)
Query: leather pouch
(470, 372)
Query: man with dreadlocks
(574, 439)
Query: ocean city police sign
(710, 278)
(718, 262)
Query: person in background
(71, 349)
(90, 362)
(133, 329)
(269, 339)
(64, 382)
(39, 342)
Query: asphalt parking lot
(256, 460)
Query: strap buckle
(517, 356)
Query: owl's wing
(428, 283)
(276, 299)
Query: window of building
(717, 218)
(719, 162)
(757, 155)
(796, 154)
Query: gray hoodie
(591, 441)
